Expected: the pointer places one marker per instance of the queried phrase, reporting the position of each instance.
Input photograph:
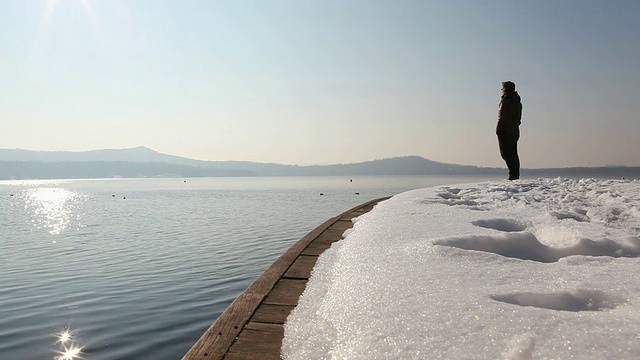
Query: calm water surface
(140, 268)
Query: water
(140, 268)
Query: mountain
(138, 154)
(145, 162)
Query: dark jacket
(509, 114)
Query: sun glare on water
(52, 208)
(64, 337)
(70, 350)
(70, 353)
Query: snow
(530, 269)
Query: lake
(140, 268)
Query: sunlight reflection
(68, 352)
(64, 337)
(51, 208)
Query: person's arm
(502, 111)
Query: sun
(51, 5)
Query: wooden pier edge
(216, 342)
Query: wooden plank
(341, 225)
(258, 341)
(317, 248)
(273, 314)
(362, 209)
(267, 328)
(301, 268)
(243, 356)
(286, 292)
(217, 339)
(351, 215)
(327, 238)
(330, 235)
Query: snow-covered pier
(252, 326)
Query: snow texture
(530, 269)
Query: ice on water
(531, 269)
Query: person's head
(508, 87)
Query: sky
(538, 269)
(322, 82)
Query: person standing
(508, 128)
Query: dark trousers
(509, 151)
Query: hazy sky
(316, 82)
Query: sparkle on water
(70, 353)
(70, 350)
(52, 208)
(64, 337)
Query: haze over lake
(141, 162)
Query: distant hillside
(144, 162)
(137, 154)
(406, 165)
(104, 169)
